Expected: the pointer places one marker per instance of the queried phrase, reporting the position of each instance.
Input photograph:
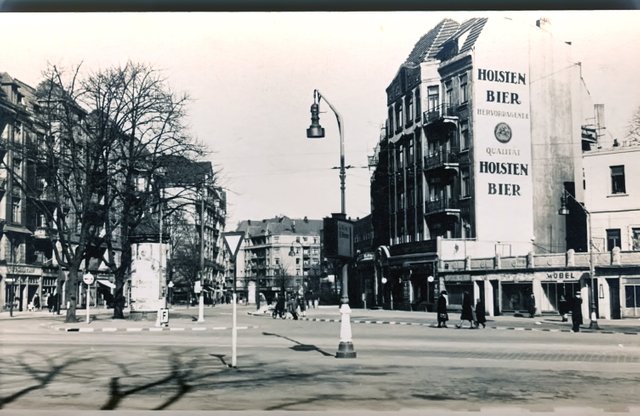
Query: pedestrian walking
(576, 312)
(467, 310)
(481, 317)
(563, 308)
(303, 306)
(50, 299)
(441, 310)
(532, 306)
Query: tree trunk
(71, 295)
(120, 276)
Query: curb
(154, 329)
(431, 325)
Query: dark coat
(442, 304)
(467, 308)
(576, 311)
(481, 317)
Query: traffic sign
(233, 241)
(88, 278)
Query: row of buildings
(490, 130)
(27, 262)
(493, 175)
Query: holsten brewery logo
(502, 132)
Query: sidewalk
(219, 318)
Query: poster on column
(502, 135)
(145, 278)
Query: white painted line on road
(199, 328)
(134, 329)
(86, 330)
(379, 322)
(217, 328)
(109, 329)
(176, 329)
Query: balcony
(442, 160)
(442, 115)
(442, 207)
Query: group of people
(477, 316)
(290, 305)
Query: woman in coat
(467, 310)
(481, 318)
(576, 312)
(441, 310)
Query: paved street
(402, 365)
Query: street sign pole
(87, 278)
(233, 240)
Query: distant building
(612, 196)
(278, 255)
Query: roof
(428, 46)
(468, 32)
(182, 171)
(281, 225)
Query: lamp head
(563, 205)
(315, 131)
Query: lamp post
(163, 315)
(201, 295)
(564, 210)
(315, 131)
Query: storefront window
(632, 296)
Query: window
(448, 92)
(632, 296)
(635, 239)
(390, 121)
(617, 180)
(409, 103)
(433, 98)
(418, 105)
(410, 152)
(16, 211)
(464, 135)
(465, 184)
(613, 238)
(464, 92)
(399, 115)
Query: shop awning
(16, 229)
(106, 283)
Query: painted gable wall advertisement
(502, 136)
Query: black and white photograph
(319, 212)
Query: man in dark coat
(441, 310)
(576, 312)
(481, 318)
(467, 310)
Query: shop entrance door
(614, 297)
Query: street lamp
(202, 218)
(315, 131)
(564, 210)
(163, 316)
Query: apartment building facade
(278, 255)
(476, 161)
(612, 198)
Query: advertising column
(502, 138)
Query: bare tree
(633, 129)
(185, 253)
(141, 122)
(66, 178)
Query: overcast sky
(251, 77)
